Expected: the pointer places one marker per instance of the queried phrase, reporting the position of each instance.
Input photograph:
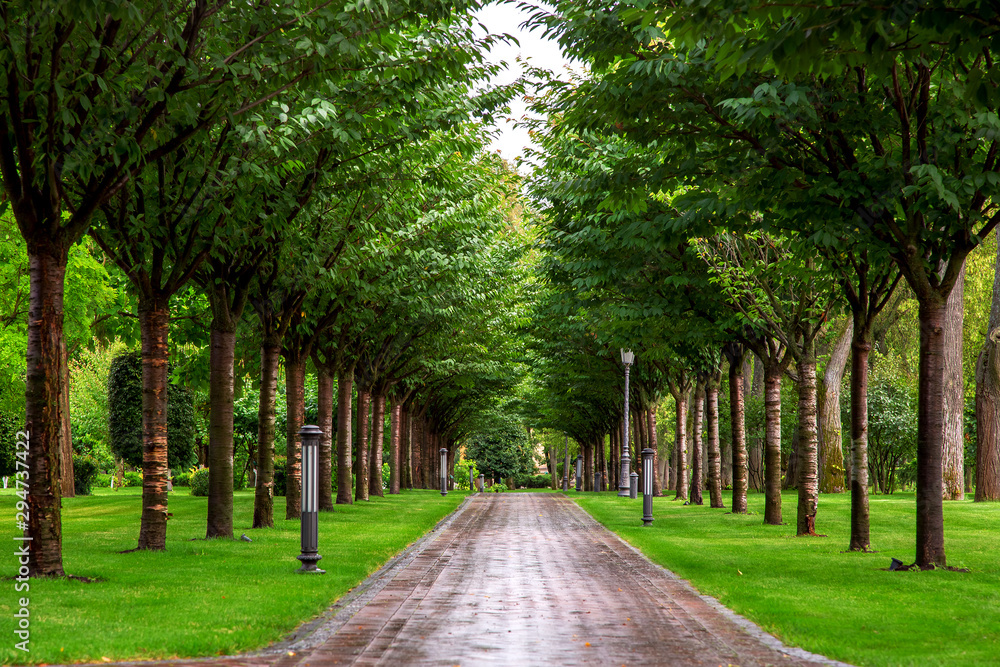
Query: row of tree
(730, 176)
(318, 164)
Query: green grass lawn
(199, 597)
(811, 594)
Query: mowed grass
(199, 597)
(811, 594)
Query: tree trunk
(378, 438)
(808, 442)
(565, 484)
(654, 443)
(953, 454)
(696, 445)
(831, 456)
(681, 401)
(406, 453)
(263, 499)
(220, 432)
(588, 467)
(154, 317)
(930, 434)
(861, 346)
(361, 450)
(772, 444)
(345, 390)
(738, 436)
(66, 463)
(714, 453)
(324, 405)
(44, 374)
(395, 417)
(295, 377)
(988, 402)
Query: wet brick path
(531, 579)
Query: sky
(542, 52)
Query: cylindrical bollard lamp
(647, 487)
(633, 485)
(579, 471)
(482, 482)
(444, 471)
(310, 500)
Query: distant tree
(500, 448)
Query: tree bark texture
(714, 452)
(696, 445)
(808, 473)
(361, 450)
(154, 317)
(565, 484)
(861, 347)
(345, 390)
(953, 454)
(930, 434)
(680, 421)
(654, 443)
(395, 418)
(406, 449)
(324, 405)
(43, 423)
(588, 467)
(378, 438)
(737, 412)
(295, 376)
(263, 499)
(220, 433)
(831, 455)
(772, 444)
(988, 402)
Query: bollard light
(623, 485)
(633, 485)
(647, 487)
(444, 471)
(310, 500)
(482, 482)
(598, 481)
(579, 470)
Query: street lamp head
(627, 356)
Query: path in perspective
(530, 579)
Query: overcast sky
(542, 53)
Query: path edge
(742, 622)
(313, 633)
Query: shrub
(125, 415)
(102, 481)
(9, 426)
(132, 478)
(499, 487)
(500, 448)
(462, 474)
(279, 476)
(199, 482)
(239, 479)
(538, 481)
(84, 473)
(182, 479)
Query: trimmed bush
(499, 487)
(132, 478)
(182, 479)
(102, 481)
(84, 473)
(279, 476)
(199, 482)
(125, 415)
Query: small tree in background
(125, 415)
(500, 448)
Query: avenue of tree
(745, 194)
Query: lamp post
(623, 480)
(444, 471)
(647, 487)
(310, 500)
(579, 470)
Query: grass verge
(810, 593)
(199, 597)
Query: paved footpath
(528, 579)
